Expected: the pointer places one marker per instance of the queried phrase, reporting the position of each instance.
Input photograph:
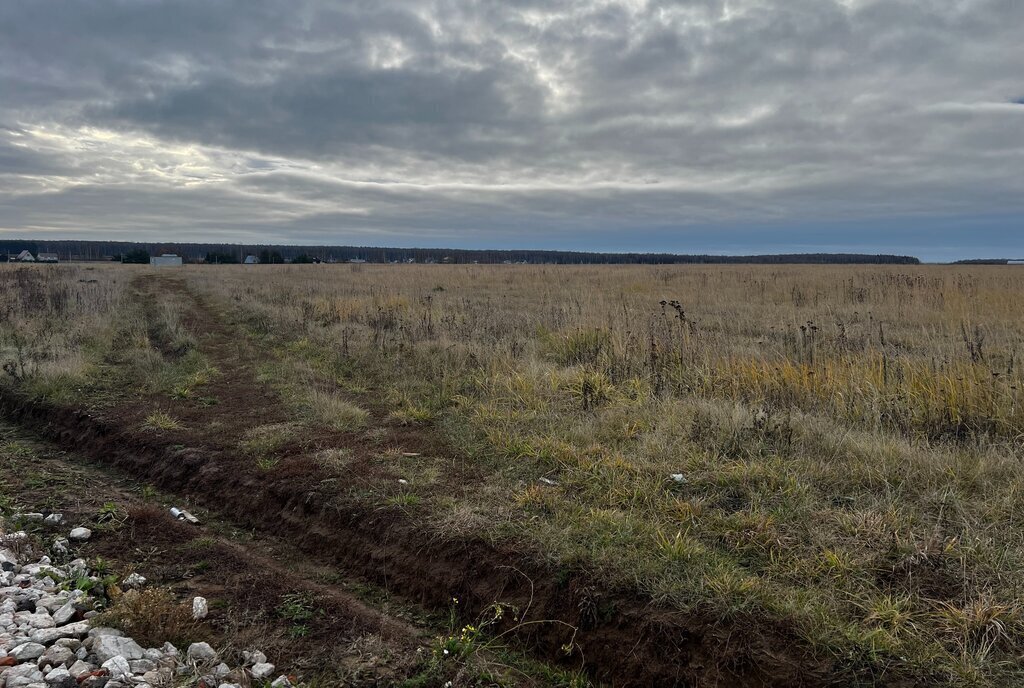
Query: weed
(263, 441)
(298, 609)
(267, 463)
(403, 500)
(161, 421)
(152, 617)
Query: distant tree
(268, 257)
(137, 255)
(302, 258)
(220, 258)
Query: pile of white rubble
(48, 641)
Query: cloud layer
(710, 125)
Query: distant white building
(24, 257)
(1015, 262)
(47, 258)
(251, 260)
(165, 260)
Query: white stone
(80, 668)
(80, 534)
(141, 666)
(46, 636)
(54, 519)
(27, 651)
(103, 630)
(281, 682)
(60, 547)
(65, 613)
(254, 657)
(22, 675)
(52, 602)
(59, 677)
(108, 647)
(153, 654)
(118, 667)
(262, 670)
(40, 619)
(134, 580)
(56, 656)
(201, 652)
(200, 608)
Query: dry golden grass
(838, 448)
(848, 437)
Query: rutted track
(630, 642)
(247, 575)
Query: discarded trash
(678, 477)
(549, 481)
(403, 481)
(182, 515)
(410, 453)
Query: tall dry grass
(848, 438)
(837, 448)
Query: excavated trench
(619, 638)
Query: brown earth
(247, 577)
(619, 636)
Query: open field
(733, 475)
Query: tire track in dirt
(243, 574)
(632, 643)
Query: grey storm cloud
(620, 124)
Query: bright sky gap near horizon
(711, 126)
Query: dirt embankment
(619, 637)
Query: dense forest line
(227, 253)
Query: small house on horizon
(165, 260)
(251, 260)
(23, 257)
(48, 258)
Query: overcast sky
(724, 126)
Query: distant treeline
(985, 261)
(225, 253)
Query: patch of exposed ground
(263, 593)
